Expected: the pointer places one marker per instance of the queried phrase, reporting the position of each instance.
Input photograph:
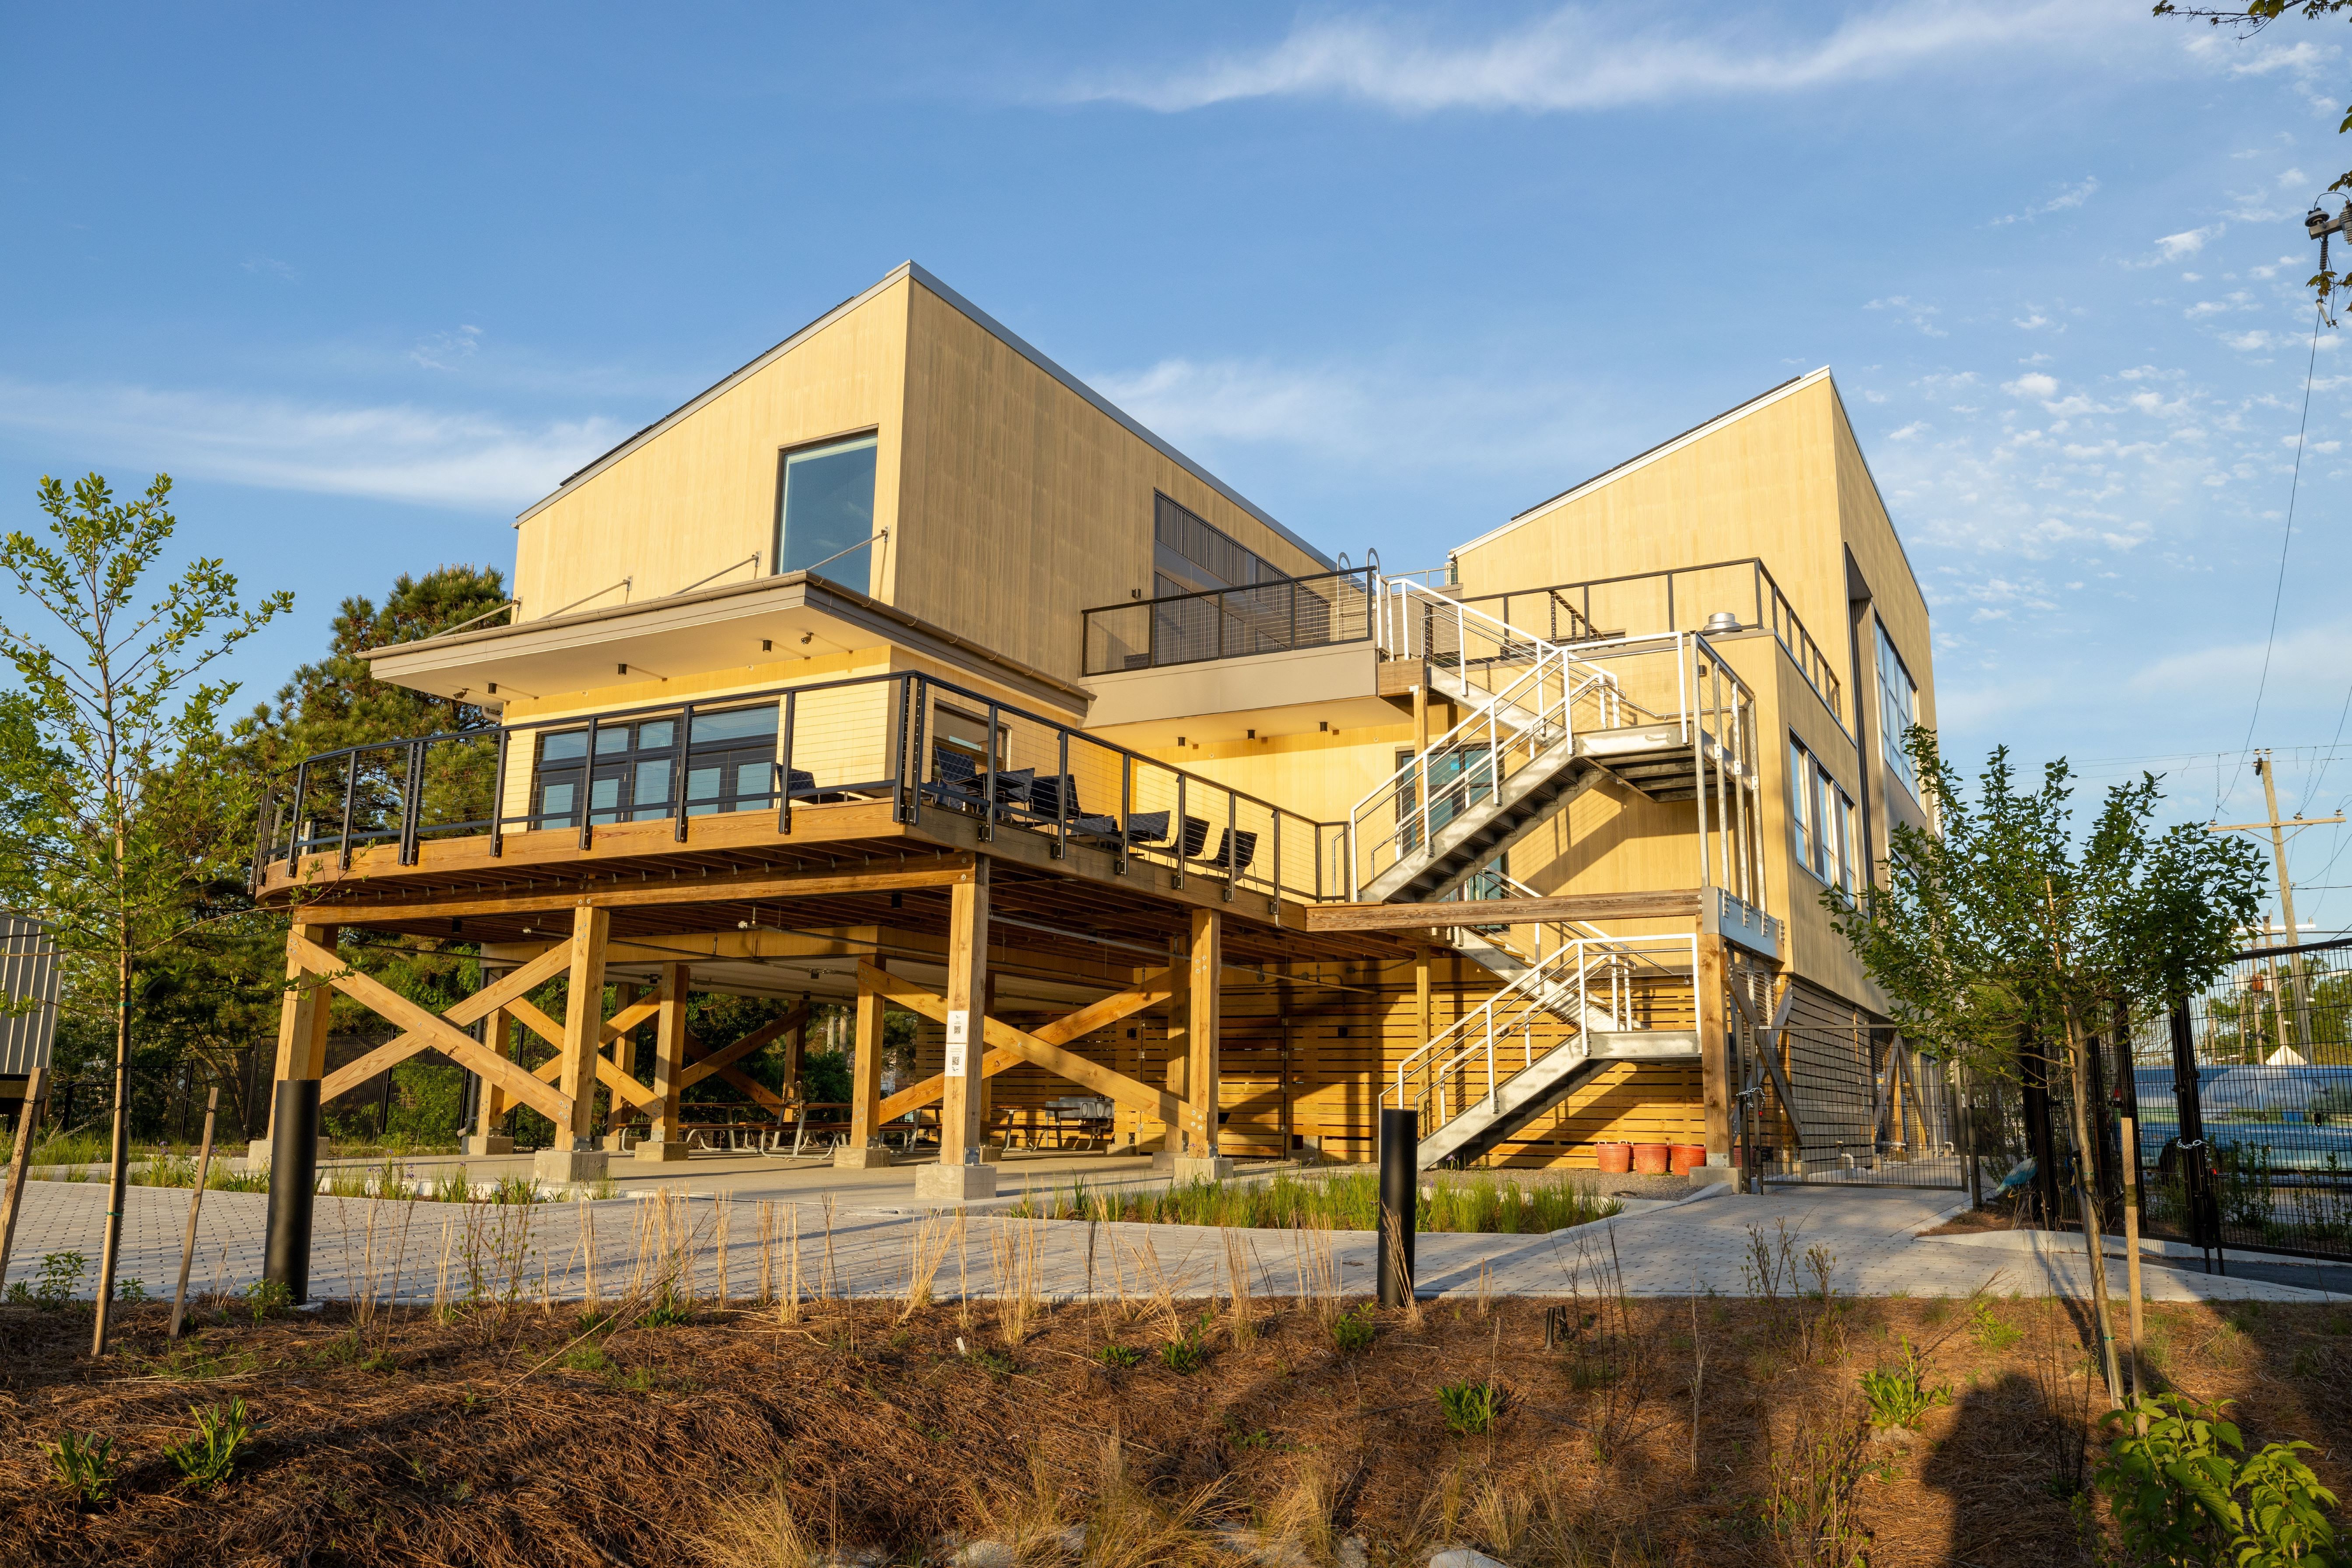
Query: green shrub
(2179, 1496)
(209, 1457)
(1989, 1331)
(1471, 1408)
(267, 1298)
(60, 1274)
(1900, 1397)
(1120, 1356)
(84, 1464)
(1352, 1331)
(1185, 1356)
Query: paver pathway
(865, 1246)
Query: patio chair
(1241, 845)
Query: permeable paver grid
(568, 1251)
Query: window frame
(1821, 820)
(870, 436)
(1898, 708)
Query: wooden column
(1711, 1005)
(625, 996)
(1202, 1019)
(967, 997)
(865, 1071)
(1422, 1005)
(669, 1049)
(796, 1049)
(987, 1082)
(583, 1020)
(492, 1107)
(302, 1020)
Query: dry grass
(738, 1440)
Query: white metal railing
(1527, 694)
(1587, 984)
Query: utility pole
(2277, 827)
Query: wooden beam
(1673, 904)
(527, 1012)
(917, 871)
(729, 1055)
(1060, 1032)
(490, 1000)
(1203, 1017)
(960, 1127)
(1064, 1064)
(583, 1013)
(302, 1021)
(446, 1038)
(1709, 987)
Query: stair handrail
(1479, 1036)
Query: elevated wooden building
(901, 668)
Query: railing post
(1177, 879)
(1126, 807)
(987, 781)
(498, 799)
(685, 749)
(409, 803)
(351, 791)
(1232, 845)
(919, 691)
(784, 792)
(1277, 860)
(588, 783)
(294, 818)
(1064, 787)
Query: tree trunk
(119, 1174)
(2087, 1207)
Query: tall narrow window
(1898, 702)
(1800, 804)
(824, 503)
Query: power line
(2278, 591)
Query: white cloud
(2068, 198)
(2028, 323)
(2248, 342)
(1579, 59)
(2032, 383)
(396, 452)
(444, 350)
(2226, 672)
(1908, 431)
(2189, 242)
(270, 267)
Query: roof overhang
(774, 620)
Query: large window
(824, 502)
(1820, 821)
(730, 766)
(1898, 704)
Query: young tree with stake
(130, 798)
(1998, 930)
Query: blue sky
(366, 283)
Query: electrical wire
(2278, 590)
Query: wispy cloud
(393, 452)
(444, 350)
(2066, 200)
(1578, 59)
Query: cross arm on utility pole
(2267, 826)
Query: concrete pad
(873, 1157)
(480, 1145)
(663, 1152)
(1201, 1168)
(566, 1165)
(936, 1182)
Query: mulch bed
(473, 1441)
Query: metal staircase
(1564, 1018)
(1543, 723)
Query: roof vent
(1720, 622)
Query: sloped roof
(981, 318)
(1664, 448)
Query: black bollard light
(1400, 1186)
(293, 1187)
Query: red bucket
(1616, 1159)
(1687, 1155)
(1651, 1159)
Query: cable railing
(1321, 611)
(1585, 987)
(1682, 598)
(910, 742)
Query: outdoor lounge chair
(1242, 846)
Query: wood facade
(1224, 1014)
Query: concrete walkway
(860, 1232)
